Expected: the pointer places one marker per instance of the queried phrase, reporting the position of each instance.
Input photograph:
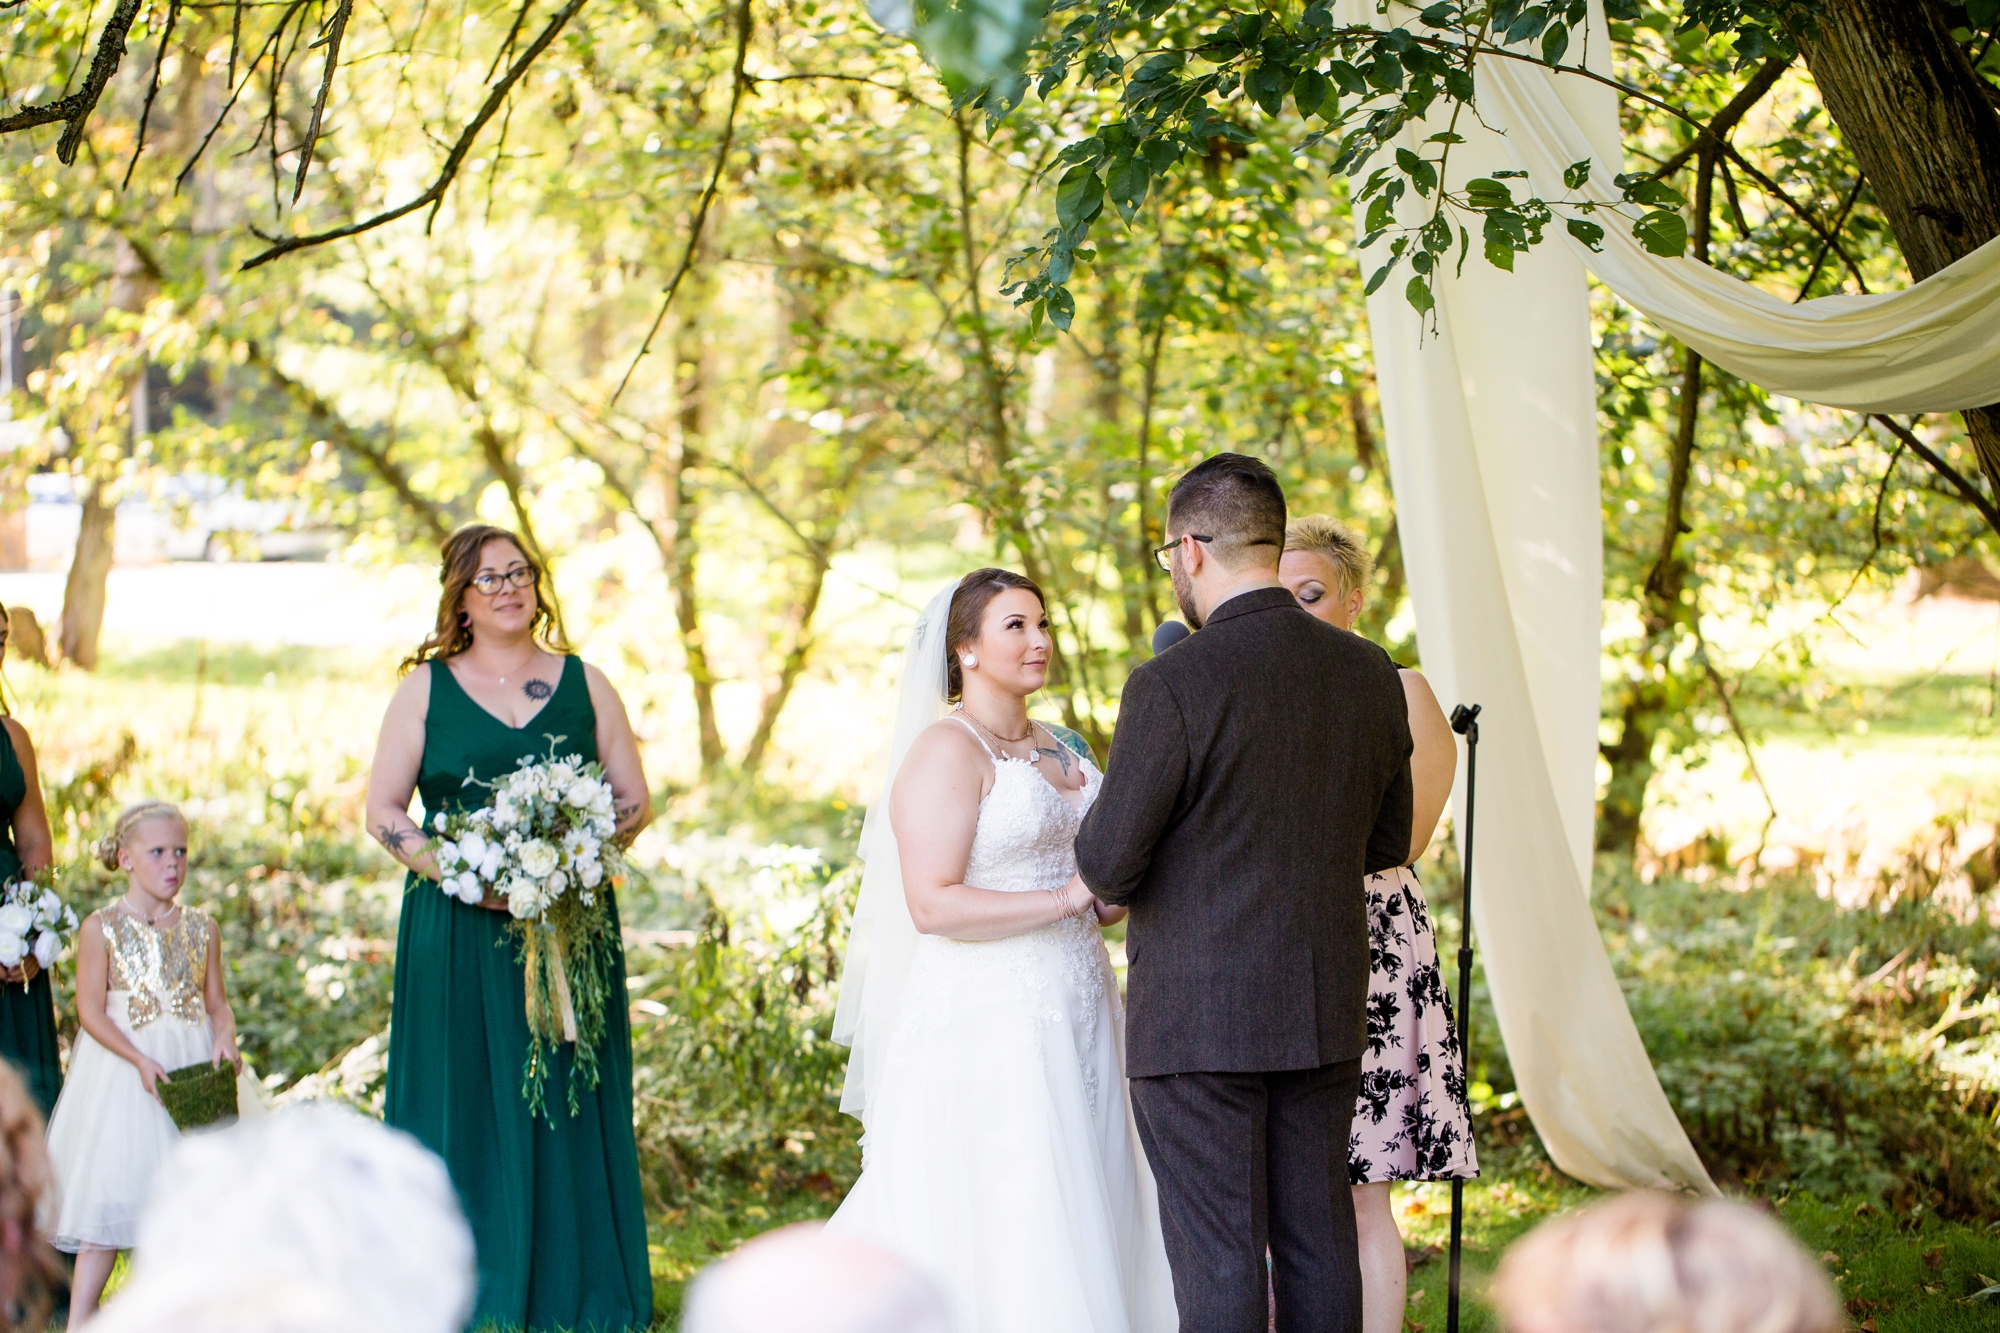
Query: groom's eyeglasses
(1163, 557)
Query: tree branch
(74, 109)
(460, 150)
(1727, 119)
(327, 418)
(1942, 468)
(739, 82)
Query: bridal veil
(883, 938)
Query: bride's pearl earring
(970, 661)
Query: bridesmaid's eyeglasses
(520, 576)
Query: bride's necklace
(1027, 735)
(150, 919)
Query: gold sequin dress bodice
(163, 967)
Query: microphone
(1168, 634)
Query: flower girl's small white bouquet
(34, 921)
(543, 843)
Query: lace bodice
(1026, 836)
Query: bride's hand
(1076, 897)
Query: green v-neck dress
(27, 1013)
(556, 1211)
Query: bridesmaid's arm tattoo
(398, 841)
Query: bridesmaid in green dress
(555, 1208)
(27, 1001)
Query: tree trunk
(1923, 131)
(1650, 700)
(798, 626)
(89, 569)
(677, 542)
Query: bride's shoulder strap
(953, 717)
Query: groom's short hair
(1234, 499)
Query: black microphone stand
(1464, 721)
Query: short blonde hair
(129, 819)
(1655, 1263)
(1342, 546)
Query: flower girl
(149, 997)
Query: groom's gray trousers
(1249, 1160)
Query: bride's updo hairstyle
(452, 634)
(968, 609)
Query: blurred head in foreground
(1655, 1263)
(802, 1280)
(29, 1269)
(311, 1218)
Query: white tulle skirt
(107, 1137)
(1001, 1157)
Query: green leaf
(1162, 154)
(1083, 150)
(1309, 91)
(1589, 233)
(1982, 14)
(1381, 214)
(1555, 41)
(1126, 183)
(1577, 174)
(1505, 224)
(1386, 72)
(1500, 254)
(1484, 192)
(1418, 294)
(1527, 26)
(1349, 78)
(1639, 188)
(1458, 84)
(1444, 15)
(1381, 275)
(1062, 308)
(1266, 85)
(1079, 199)
(1036, 312)
(1662, 232)
(1160, 67)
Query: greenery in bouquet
(34, 921)
(543, 844)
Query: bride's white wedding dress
(1001, 1157)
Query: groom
(1260, 769)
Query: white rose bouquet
(34, 921)
(543, 843)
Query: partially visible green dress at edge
(556, 1212)
(27, 1013)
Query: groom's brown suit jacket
(1259, 772)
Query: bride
(988, 1039)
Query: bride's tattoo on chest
(1060, 755)
(538, 689)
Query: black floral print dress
(1411, 1121)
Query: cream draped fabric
(1491, 424)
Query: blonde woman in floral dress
(1411, 1121)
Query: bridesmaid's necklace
(1027, 735)
(534, 654)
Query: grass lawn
(1897, 1274)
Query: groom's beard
(1184, 594)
